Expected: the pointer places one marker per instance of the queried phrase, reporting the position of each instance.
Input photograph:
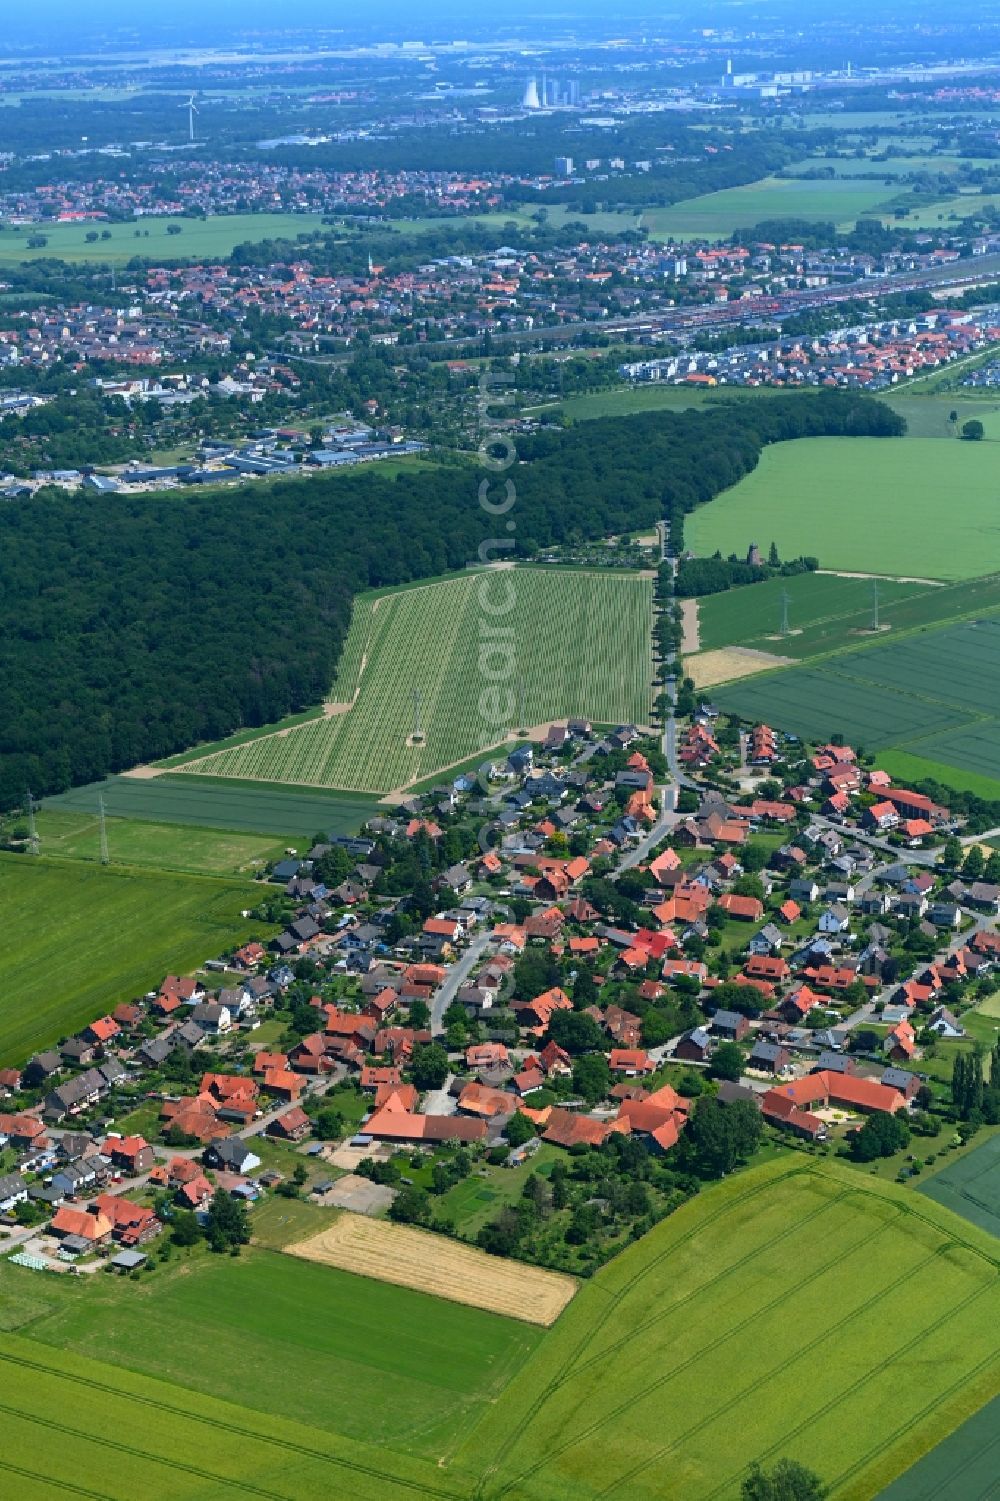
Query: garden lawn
(868, 504)
(579, 644)
(291, 1339)
(476, 1200)
(796, 1310)
(79, 939)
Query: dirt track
(690, 641)
(433, 1264)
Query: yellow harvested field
(722, 666)
(433, 1264)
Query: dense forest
(133, 627)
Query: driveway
(439, 1101)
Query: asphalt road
(456, 978)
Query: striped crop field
(460, 654)
(799, 1311)
(930, 697)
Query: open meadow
(71, 835)
(79, 939)
(869, 504)
(797, 1310)
(572, 643)
(717, 215)
(150, 238)
(928, 413)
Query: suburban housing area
(499, 754)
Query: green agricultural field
(962, 1467)
(894, 166)
(621, 401)
(817, 702)
(223, 804)
(198, 239)
(927, 414)
(867, 504)
(970, 1187)
(794, 1310)
(77, 940)
(844, 120)
(799, 1308)
(74, 1426)
(930, 695)
(578, 643)
(890, 693)
(717, 215)
(331, 1337)
(825, 611)
(72, 835)
(950, 210)
(905, 767)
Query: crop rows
(577, 644)
(928, 694)
(816, 703)
(410, 1258)
(838, 1341)
(94, 1434)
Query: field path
(691, 639)
(894, 578)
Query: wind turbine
(192, 110)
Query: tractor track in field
(613, 1301)
(805, 1349)
(190, 1416)
(610, 1414)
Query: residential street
(458, 974)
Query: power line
(784, 611)
(105, 857)
(32, 826)
(874, 604)
(418, 733)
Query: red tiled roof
(566, 1127)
